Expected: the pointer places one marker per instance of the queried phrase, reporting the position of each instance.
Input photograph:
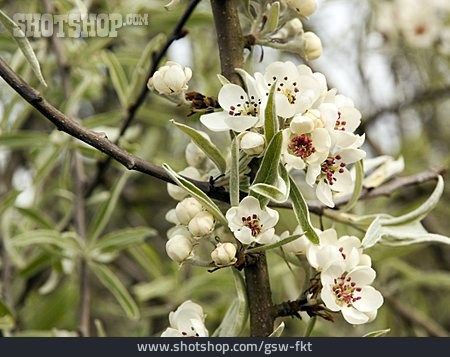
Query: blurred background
(391, 57)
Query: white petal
(244, 235)
(344, 138)
(251, 205)
(294, 161)
(280, 70)
(371, 299)
(353, 316)
(282, 106)
(332, 271)
(351, 116)
(328, 237)
(266, 237)
(171, 332)
(362, 275)
(321, 139)
(312, 173)
(327, 255)
(240, 123)
(269, 218)
(199, 328)
(231, 95)
(329, 298)
(215, 121)
(175, 78)
(350, 156)
(343, 181)
(324, 194)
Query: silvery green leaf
(272, 18)
(236, 317)
(389, 168)
(301, 212)
(124, 238)
(274, 245)
(420, 212)
(6, 317)
(24, 45)
(223, 80)
(205, 145)
(103, 215)
(359, 168)
(44, 237)
(234, 173)
(373, 234)
(411, 233)
(279, 193)
(278, 331)
(198, 194)
(51, 283)
(270, 116)
(378, 333)
(115, 286)
(268, 170)
(118, 76)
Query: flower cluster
(319, 125)
(346, 274)
(421, 23)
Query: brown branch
(132, 108)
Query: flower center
(340, 124)
(420, 30)
(345, 289)
(329, 168)
(301, 146)
(253, 223)
(249, 107)
(287, 88)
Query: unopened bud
(201, 224)
(170, 79)
(301, 124)
(302, 7)
(253, 143)
(187, 209)
(312, 45)
(224, 254)
(179, 248)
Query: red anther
(296, 90)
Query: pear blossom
(346, 249)
(252, 144)
(251, 224)
(224, 254)
(350, 292)
(297, 89)
(187, 209)
(186, 321)
(170, 79)
(333, 175)
(241, 110)
(302, 7)
(201, 224)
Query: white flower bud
(291, 29)
(302, 7)
(179, 248)
(194, 156)
(170, 79)
(301, 124)
(224, 254)
(178, 193)
(187, 209)
(201, 224)
(312, 45)
(253, 143)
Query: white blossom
(170, 79)
(251, 224)
(252, 144)
(241, 110)
(186, 321)
(350, 292)
(312, 46)
(179, 247)
(224, 254)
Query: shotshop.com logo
(75, 25)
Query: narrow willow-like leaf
(24, 45)
(105, 212)
(373, 234)
(198, 194)
(236, 317)
(278, 331)
(420, 212)
(6, 317)
(118, 77)
(270, 116)
(36, 216)
(274, 245)
(205, 145)
(223, 80)
(301, 212)
(24, 139)
(275, 193)
(359, 168)
(122, 239)
(378, 333)
(234, 173)
(268, 170)
(100, 328)
(42, 237)
(115, 286)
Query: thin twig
(132, 109)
